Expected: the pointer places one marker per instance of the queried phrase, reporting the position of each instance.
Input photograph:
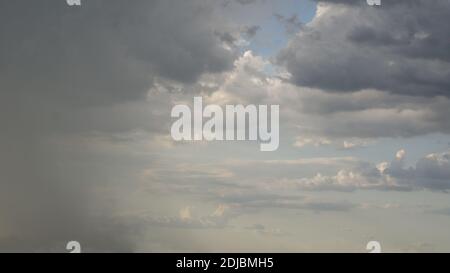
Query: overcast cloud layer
(72, 70)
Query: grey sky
(85, 147)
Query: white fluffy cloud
(431, 172)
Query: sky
(85, 147)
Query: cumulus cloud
(244, 187)
(316, 117)
(430, 173)
(400, 48)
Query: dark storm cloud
(49, 197)
(104, 51)
(372, 114)
(76, 70)
(400, 47)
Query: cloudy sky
(85, 146)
